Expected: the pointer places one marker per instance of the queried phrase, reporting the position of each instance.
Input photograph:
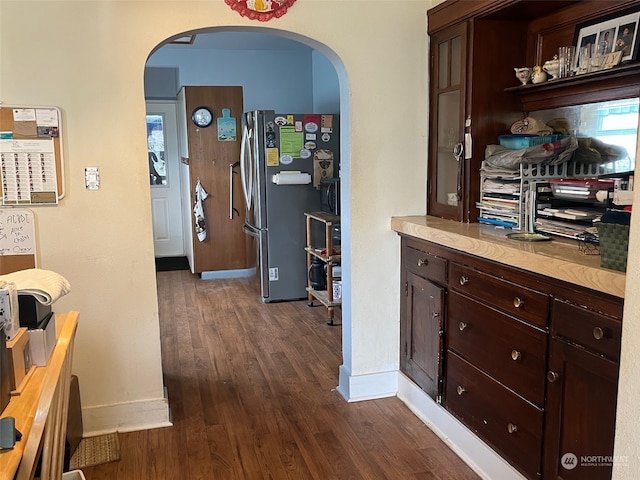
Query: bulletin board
(31, 156)
(17, 240)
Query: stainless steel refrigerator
(284, 158)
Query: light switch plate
(92, 178)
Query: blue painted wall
(292, 81)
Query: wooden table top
(24, 407)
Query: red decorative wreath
(262, 10)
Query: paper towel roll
(291, 178)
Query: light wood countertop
(559, 258)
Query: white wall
(88, 58)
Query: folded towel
(46, 286)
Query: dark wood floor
(252, 392)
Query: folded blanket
(46, 286)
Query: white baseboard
(367, 387)
(247, 272)
(473, 451)
(125, 417)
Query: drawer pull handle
(598, 333)
(464, 280)
(460, 389)
(512, 428)
(423, 263)
(516, 355)
(518, 302)
(462, 326)
(552, 376)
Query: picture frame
(617, 32)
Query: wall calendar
(30, 156)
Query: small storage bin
(614, 244)
(525, 140)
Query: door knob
(460, 389)
(423, 263)
(598, 333)
(464, 280)
(462, 326)
(512, 428)
(516, 355)
(518, 302)
(552, 376)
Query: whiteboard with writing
(17, 232)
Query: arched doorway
(279, 70)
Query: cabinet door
(581, 410)
(446, 132)
(421, 333)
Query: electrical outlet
(273, 274)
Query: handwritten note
(17, 232)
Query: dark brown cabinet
(474, 95)
(448, 80)
(467, 74)
(526, 362)
(422, 311)
(582, 385)
(496, 341)
(518, 352)
(505, 420)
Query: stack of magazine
(566, 208)
(500, 202)
(566, 222)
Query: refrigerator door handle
(232, 209)
(246, 166)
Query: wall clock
(261, 10)
(202, 117)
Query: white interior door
(164, 177)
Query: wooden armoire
(210, 151)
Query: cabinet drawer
(508, 423)
(590, 329)
(510, 351)
(517, 300)
(425, 264)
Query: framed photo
(613, 33)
